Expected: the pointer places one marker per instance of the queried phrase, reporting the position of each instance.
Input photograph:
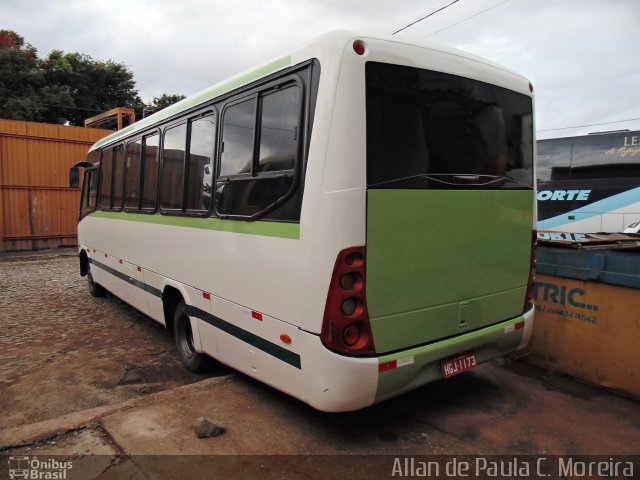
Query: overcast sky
(581, 55)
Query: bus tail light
(528, 301)
(359, 47)
(346, 327)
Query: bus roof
(335, 39)
(593, 135)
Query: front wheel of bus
(95, 289)
(183, 335)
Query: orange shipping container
(586, 322)
(37, 208)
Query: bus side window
(106, 176)
(237, 139)
(132, 175)
(150, 171)
(118, 178)
(89, 190)
(93, 190)
(202, 136)
(84, 201)
(173, 152)
(279, 130)
(90, 184)
(254, 177)
(554, 160)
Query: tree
(95, 86)
(63, 87)
(20, 79)
(163, 101)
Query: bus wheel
(192, 360)
(95, 289)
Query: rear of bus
(444, 280)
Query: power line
(480, 13)
(590, 125)
(467, 18)
(425, 16)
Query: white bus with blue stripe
(589, 183)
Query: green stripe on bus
(264, 229)
(197, 99)
(122, 276)
(260, 343)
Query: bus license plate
(460, 363)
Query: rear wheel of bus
(95, 289)
(183, 335)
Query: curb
(25, 435)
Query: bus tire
(193, 361)
(95, 289)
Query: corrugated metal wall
(37, 208)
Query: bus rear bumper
(407, 370)
(334, 382)
(341, 383)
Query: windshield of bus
(432, 130)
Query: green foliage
(163, 101)
(64, 87)
(20, 78)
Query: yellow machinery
(124, 117)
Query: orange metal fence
(37, 208)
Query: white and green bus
(347, 223)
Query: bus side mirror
(74, 177)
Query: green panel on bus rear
(421, 365)
(444, 262)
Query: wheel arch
(171, 296)
(172, 293)
(84, 263)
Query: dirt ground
(62, 350)
(80, 375)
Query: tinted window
(93, 157)
(118, 172)
(93, 190)
(89, 185)
(251, 196)
(554, 159)
(276, 151)
(201, 145)
(150, 168)
(173, 166)
(132, 174)
(106, 167)
(444, 131)
(278, 130)
(589, 157)
(237, 137)
(605, 156)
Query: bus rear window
(430, 129)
